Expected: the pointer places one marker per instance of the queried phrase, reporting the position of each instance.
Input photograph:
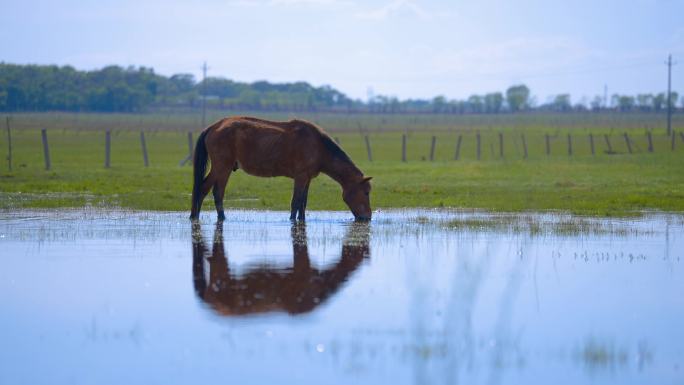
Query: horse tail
(199, 162)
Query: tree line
(135, 89)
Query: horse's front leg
(305, 197)
(298, 197)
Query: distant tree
(182, 82)
(625, 102)
(562, 102)
(518, 97)
(493, 102)
(475, 104)
(130, 89)
(439, 104)
(674, 96)
(644, 102)
(615, 101)
(580, 107)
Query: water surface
(414, 297)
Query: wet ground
(414, 297)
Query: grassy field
(619, 183)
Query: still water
(414, 297)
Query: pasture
(524, 163)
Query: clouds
(394, 8)
(407, 48)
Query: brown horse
(297, 289)
(296, 149)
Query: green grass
(601, 184)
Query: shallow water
(414, 297)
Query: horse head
(357, 196)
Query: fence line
(632, 145)
(432, 148)
(46, 148)
(190, 148)
(9, 143)
(108, 144)
(144, 148)
(548, 145)
(629, 145)
(368, 148)
(610, 147)
(403, 147)
(458, 147)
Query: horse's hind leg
(301, 187)
(220, 183)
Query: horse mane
(334, 148)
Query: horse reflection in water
(295, 290)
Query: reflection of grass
(536, 225)
(605, 355)
(583, 184)
(597, 355)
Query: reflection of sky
(88, 302)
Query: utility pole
(669, 95)
(605, 96)
(204, 95)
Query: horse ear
(366, 179)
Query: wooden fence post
(591, 144)
(403, 147)
(368, 148)
(189, 157)
(548, 145)
(9, 143)
(650, 141)
(46, 148)
(144, 148)
(108, 145)
(432, 148)
(673, 140)
(610, 148)
(569, 145)
(458, 147)
(524, 143)
(501, 145)
(629, 145)
(479, 145)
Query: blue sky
(403, 48)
